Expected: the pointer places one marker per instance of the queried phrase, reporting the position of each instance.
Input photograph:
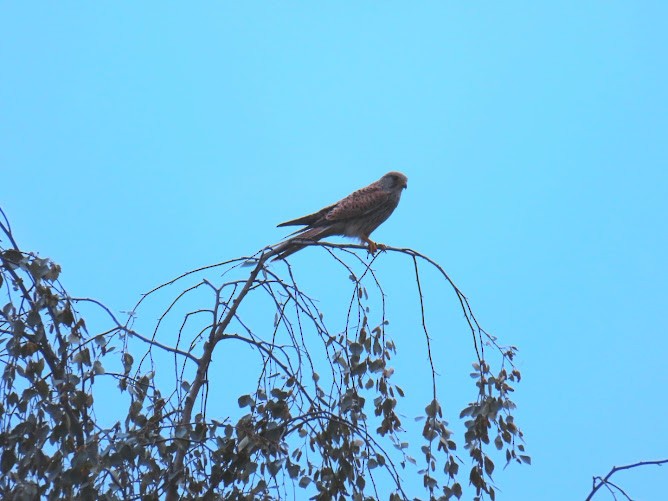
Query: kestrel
(356, 215)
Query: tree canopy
(323, 414)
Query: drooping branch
(120, 327)
(476, 329)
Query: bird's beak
(405, 186)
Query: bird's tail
(295, 243)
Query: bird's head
(394, 181)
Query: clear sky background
(139, 141)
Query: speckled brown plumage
(356, 215)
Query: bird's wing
(310, 219)
(358, 204)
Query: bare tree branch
(598, 482)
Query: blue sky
(139, 141)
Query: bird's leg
(373, 246)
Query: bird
(356, 215)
